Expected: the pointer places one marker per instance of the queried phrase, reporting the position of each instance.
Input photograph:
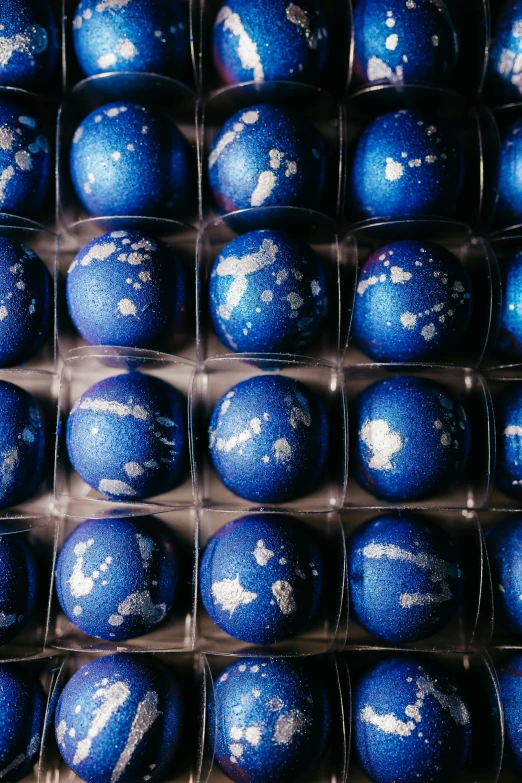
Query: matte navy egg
(269, 438)
(505, 62)
(267, 292)
(22, 445)
(271, 39)
(134, 35)
(404, 577)
(509, 340)
(25, 165)
(22, 707)
(509, 673)
(28, 43)
(261, 578)
(411, 722)
(266, 156)
(406, 164)
(412, 302)
(410, 438)
(127, 436)
(120, 718)
(125, 160)
(508, 424)
(504, 545)
(272, 719)
(18, 582)
(402, 41)
(126, 288)
(117, 578)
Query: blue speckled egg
(25, 164)
(509, 202)
(28, 43)
(120, 719)
(505, 60)
(508, 423)
(125, 160)
(22, 707)
(269, 438)
(412, 304)
(272, 720)
(22, 445)
(406, 164)
(509, 673)
(267, 292)
(133, 35)
(265, 156)
(127, 436)
(18, 580)
(117, 578)
(509, 340)
(261, 578)
(410, 438)
(504, 545)
(404, 41)
(404, 577)
(411, 722)
(271, 39)
(126, 288)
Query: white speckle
(392, 41)
(115, 487)
(282, 450)
(126, 307)
(3, 312)
(428, 331)
(394, 170)
(116, 155)
(382, 442)
(287, 725)
(133, 469)
(106, 60)
(294, 300)
(275, 157)
(408, 320)
(435, 40)
(284, 594)
(23, 160)
(398, 275)
(265, 185)
(229, 594)
(246, 47)
(267, 296)
(262, 554)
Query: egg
(504, 547)
(18, 582)
(508, 424)
(509, 175)
(28, 43)
(22, 706)
(509, 342)
(504, 71)
(509, 672)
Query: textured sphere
(126, 288)
(269, 40)
(268, 439)
(508, 423)
(127, 436)
(25, 164)
(261, 578)
(509, 340)
(22, 706)
(504, 545)
(26, 303)
(412, 304)
(504, 70)
(135, 35)
(400, 42)
(411, 722)
(410, 438)
(125, 160)
(18, 580)
(120, 718)
(22, 445)
(117, 578)
(28, 43)
(509, 202)
(509, 673)
(267, 292)
(266, 156)
(406, 164)
(272, 719)
(404, 577)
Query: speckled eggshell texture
(508, 207)
(18, 582)
(127, 436)
(509, 673)
(508, 423)
(271, 39)
(22, 706)
(504, 71)
(261, 578)
(509, 341)
(272, 720)
(267, 292)
(126, 288)
(28, 43)
(127, 160)
(412, 302)
(411, 722)
(269, 438)
(504, 545)
(266, 156)
(406, 164)
(410, 438)
(117, 578)
(134, 35)
(120, 719)
(404, 577)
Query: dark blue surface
(504, 545)
(120, 718)
(261, 578)
(505, 63)
(267, 292)
(412, 303)
(126, 160)
(127, 436)
(117, 578)
(22, 706)
(411, 722)
(267, 156)
(410, 438)
(404, 577)
(510, 681)
(126, 288)
(18, 582)
(509, 203)
(510, 333)
(269, 438)
(508, 423)
(272, 719)
(28, 42)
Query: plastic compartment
(220, 374)
(470, 389)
